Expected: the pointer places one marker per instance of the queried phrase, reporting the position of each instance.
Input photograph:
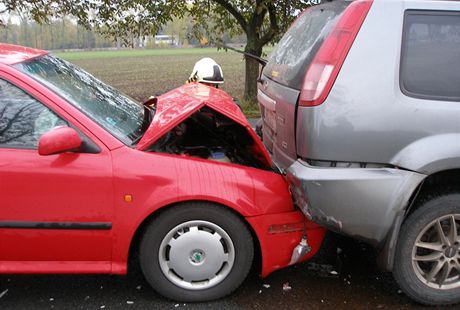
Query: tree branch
(270, 34)
(239, 18)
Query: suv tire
(427, 261)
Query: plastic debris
(87, 297)
(339, 250)
(3, 293)
(267, 285)
(286, 287)
(333, 272)
(51, 299)
(260, 291)
(399, 292)
(129, 302)
(138, 287)
(176, 305)
(102, 307)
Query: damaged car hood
(178, 104)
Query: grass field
(143, 73)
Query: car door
(55, 208)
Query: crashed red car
(90, 180)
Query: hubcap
(196, 255)
(436, 256)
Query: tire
(427, 259)
(196, 252)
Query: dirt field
(142, 73)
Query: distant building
(163, 39)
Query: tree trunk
(252, 70)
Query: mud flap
(359, 202)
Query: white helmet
(206, 70)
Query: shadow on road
(343, 276)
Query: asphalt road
(358, 284)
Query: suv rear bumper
(359, 202)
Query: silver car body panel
(278, 111)
(362, 203)
(366, 117)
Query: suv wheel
(427, 261)
(196, 252)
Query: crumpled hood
(178, 104)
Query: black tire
(413, 274)
(215, 220)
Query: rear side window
(296, 50)
(430, 61)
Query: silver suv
(360, 103)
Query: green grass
(143, 73)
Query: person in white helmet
(208, 72)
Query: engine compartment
(210, 135)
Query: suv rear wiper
(260, 60)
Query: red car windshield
(120, 115)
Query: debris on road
(138, 287)
(267, 285)
(322, 270)
(102, 307)
(3, 293)
(286, 287)
(129, 302)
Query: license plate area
(270, 119)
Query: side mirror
(59, 140)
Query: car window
(430, 62)
(117, 113)
(22, 118)
(295, 51)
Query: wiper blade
(260, 60)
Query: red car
(91, 179)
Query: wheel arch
(430, 155)
(132, 258)
(440, 182)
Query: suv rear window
(295, 51)
(430, 61)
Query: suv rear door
(282, 78)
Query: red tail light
(329, 59)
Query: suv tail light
(329, 59)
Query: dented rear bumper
(359, 202)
